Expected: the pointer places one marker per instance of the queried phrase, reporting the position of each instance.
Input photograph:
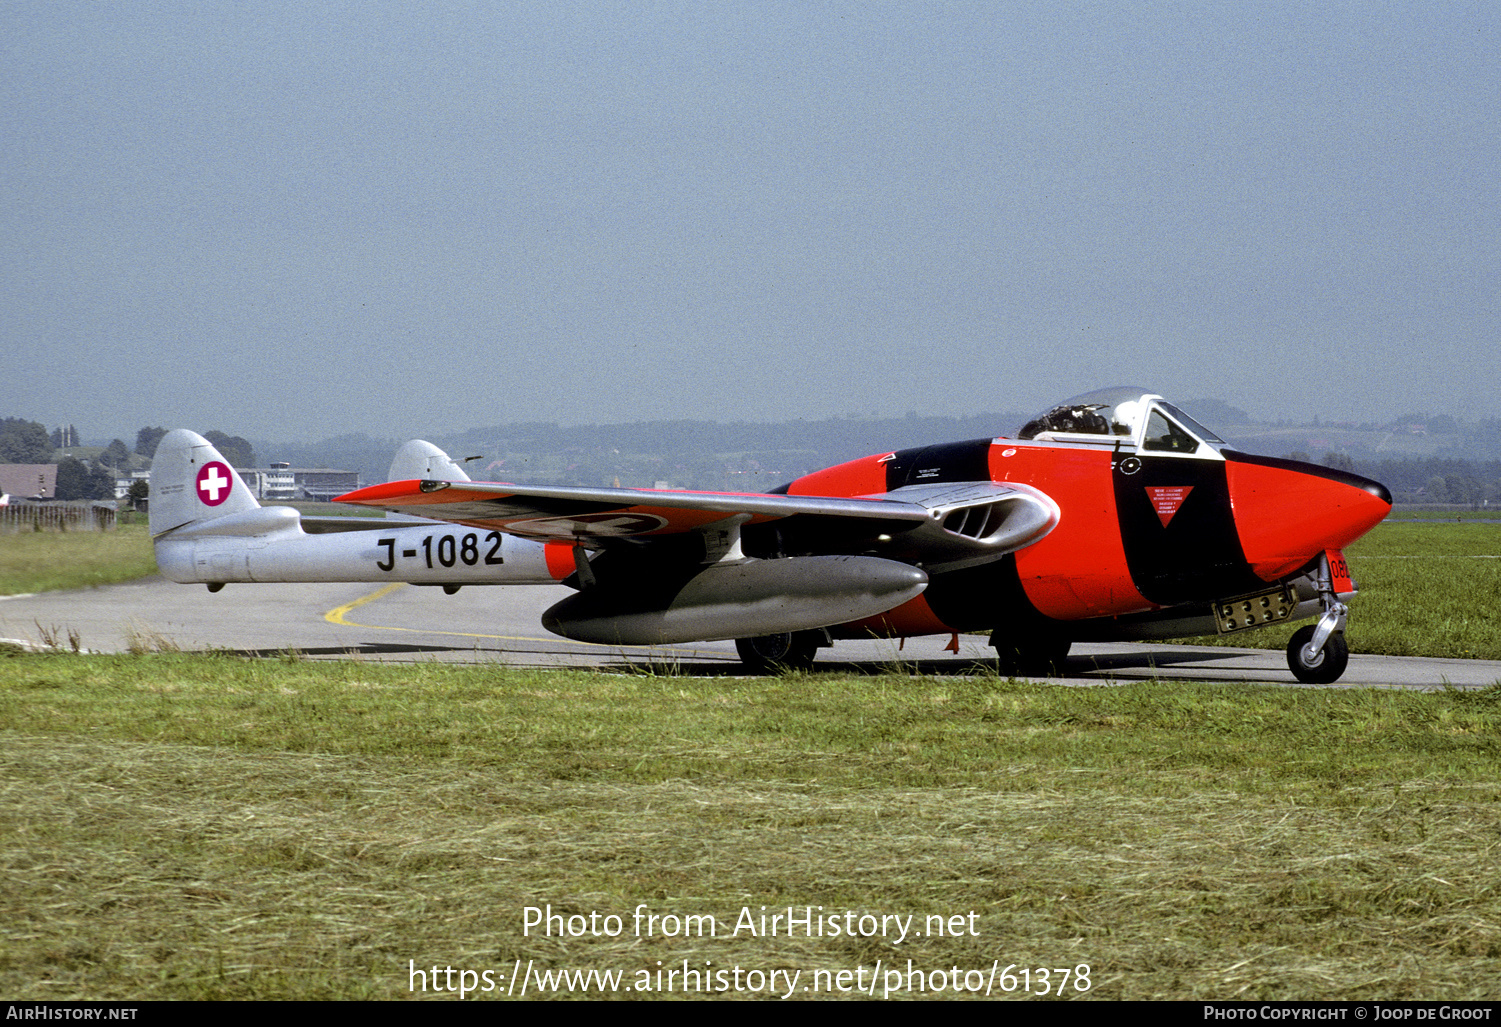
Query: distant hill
(1410, 453)
(1359, 443)
(738, 456)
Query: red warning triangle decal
(1166, 499)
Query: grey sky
(289, 221)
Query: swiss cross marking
(213, 483)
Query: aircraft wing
(971, 522)
(553, 513)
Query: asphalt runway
(500, 624)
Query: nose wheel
(1317, 653)
(1317, 666)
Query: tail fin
(191, 482)
(418, 459)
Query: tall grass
(47, 561)
(180, 826)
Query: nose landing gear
(1317, 654)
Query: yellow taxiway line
(336, 615)
(339, 615)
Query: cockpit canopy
(1123, 415)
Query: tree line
(94, 477)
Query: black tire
(1043, 655)
(774, 654)
(1328, 667)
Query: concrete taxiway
(500, 625)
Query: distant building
(24, 481)
(283, 483)
(276, 483)
(122, 485)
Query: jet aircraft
(1111, 516)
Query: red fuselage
(1139, 531)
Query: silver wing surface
(939, 525)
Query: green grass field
(177, 826)
(1404, 513)
(1428, 590)
(1425, 590)
(45, 561)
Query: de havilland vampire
(1112, 516)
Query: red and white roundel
(610, 524)
(214, 483)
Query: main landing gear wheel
(1041, 656)
(771, 654)
(1323, 669)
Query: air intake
(976, 522)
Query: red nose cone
(1288, 512)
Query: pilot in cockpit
(1075, 420)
